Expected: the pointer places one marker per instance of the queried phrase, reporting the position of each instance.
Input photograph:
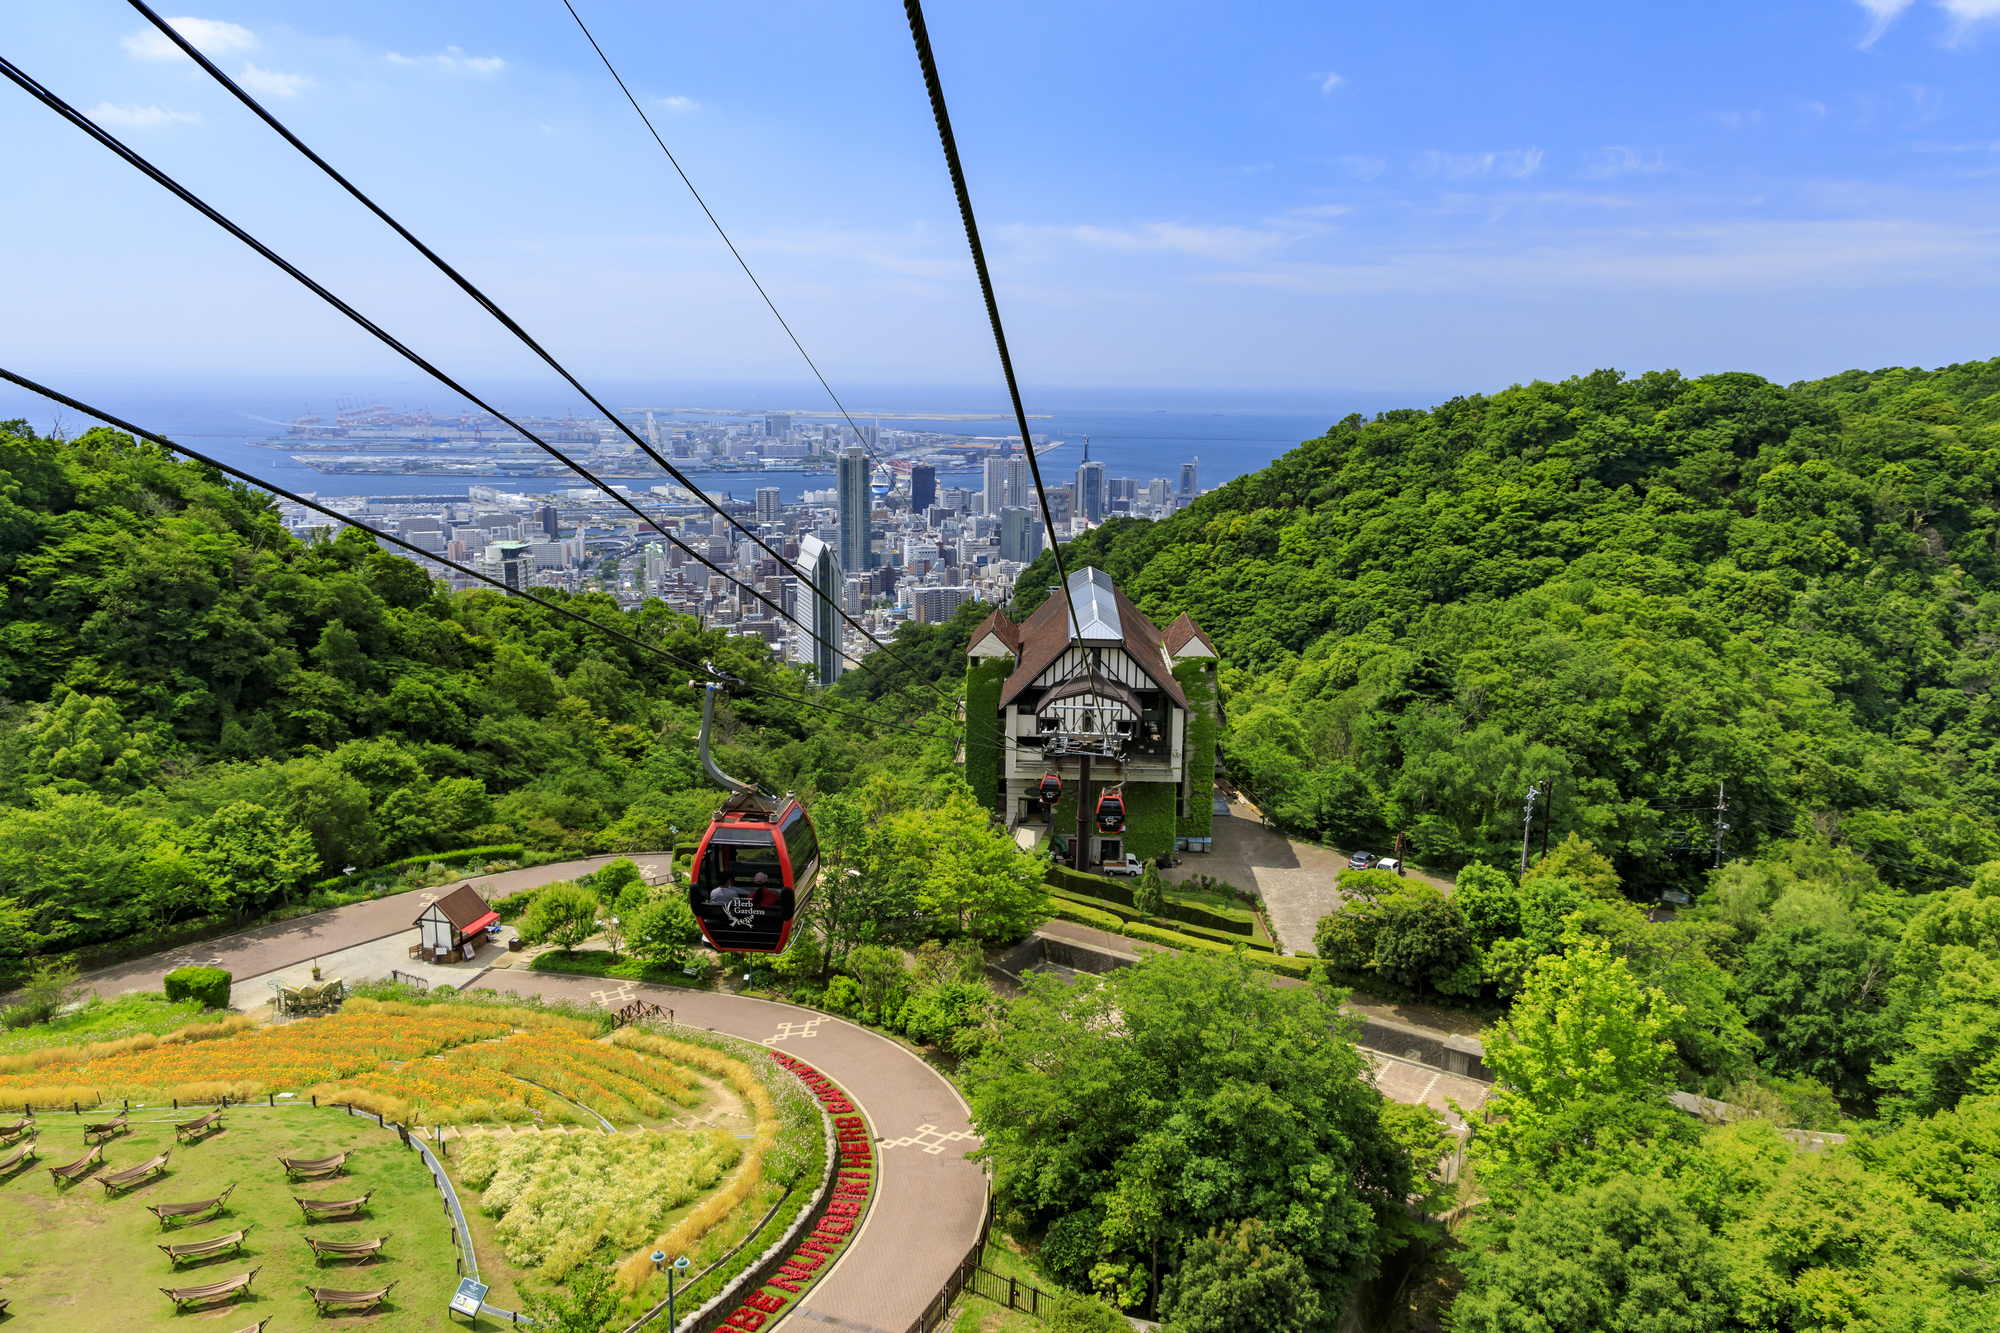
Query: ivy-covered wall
(983, 678)
(1198, 681)
(1149, 813)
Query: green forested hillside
(203, 716)
(1638, 588)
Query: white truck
(1131, 867)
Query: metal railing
(409, 979)
(969, 1275)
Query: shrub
(1148, 896)
(663, 929)
(614, 877)
(1070, 1247)
(951, 1016)
(1074, 1313)
(209, 986)
(843, 995)
(1231, 1280)
(564, 915)
(1085, 916)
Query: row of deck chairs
(313, 999)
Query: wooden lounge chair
(113, 1181)
(206, 1249)
(315, 1168)
(105, 1130)
(19, 1127)
(75, 1170)
(228, 1289)
(175, 1212)
(257, 1327)
(364, 1250)
(213, 1120)
(318, 1209)
(18, 1158)
(327, 1297)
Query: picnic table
(117, 1180)
(166, 1211)
(327, 1297)
(228, 1288)
(206, 1249)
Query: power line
(339, 517)
(464, 284)
(920, 35)
(167, 182)
(744, 265)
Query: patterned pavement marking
(786, 1031)
(928, 1137)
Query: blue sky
(1288, 197)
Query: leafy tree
(961, 870)
(1951, 1042)
(68, 863)
(1231, 1280)
(1149, 896)
(1423, 943)
(1489, 901)
(1580, 1072)
(1074, 1313)
(1422, 1135)
(880, 972)
(1183, 1094)
(611, 879)
(335, 811)
(952, 1015)
(1620, 1257)
(84, 744)
(564, 915)
(661, 931)
(1580, 862)
(1813, 996)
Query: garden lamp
(680, 1267)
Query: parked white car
(1131, 867)
(1389, 863)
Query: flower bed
(249, 1064)
(559, 1196)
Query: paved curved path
(929, 1200)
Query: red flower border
(852, 1187)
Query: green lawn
(73, 1260)
(104, 1020)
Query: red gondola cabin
(754, 873)
(1051, 789)
(1111, 812)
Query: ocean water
(1134, 433)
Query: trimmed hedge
(1223, 937)
(1270, 962)
(1070, 910)
(1132, 914)
(208, 985)
(1104, 888)
(506, 851)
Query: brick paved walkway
(929, 1199)
(267, 949)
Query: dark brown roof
(1045, 635)
(1181, 631)
(462, 906)
(999, 623)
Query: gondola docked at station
(754, 871)
(1111, 810)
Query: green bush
(1270, 962)
(1223, 937)
(1086, 916)
(843, 995)
(208, 986)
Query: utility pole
(1528, 822)
(1721, 808)
(1081, 852)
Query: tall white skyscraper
(767, 504)
(994, 498)
(820, 588)
(1020, 483)
(855, 508)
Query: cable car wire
(464, 284)
(921, 36)
(741, 262)
(251, 480)
(110, 141)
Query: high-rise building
(652, 431)
(510, 562)
(545, 519)
(934, 606)
(767, 504)
(1190, 479)
(1090, 492)
(1159, 490)
(923, 486)
(1020, 535)
(1020, 483)
(1120, 488)
(854, 509)
(994, 498)
(1062, 503)
(778, 426)
(820, 587)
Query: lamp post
(679, 1267)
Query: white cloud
(213, 36)
(678, 103)
(1327, 82)
(1881, 14)
(1364, 168)
(1515, 164)
(271, 82)
(1617, 160)
(453, 59)
(104, 113)
(1966, 13)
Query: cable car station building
(1112, 701)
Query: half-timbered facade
(1100, 703)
